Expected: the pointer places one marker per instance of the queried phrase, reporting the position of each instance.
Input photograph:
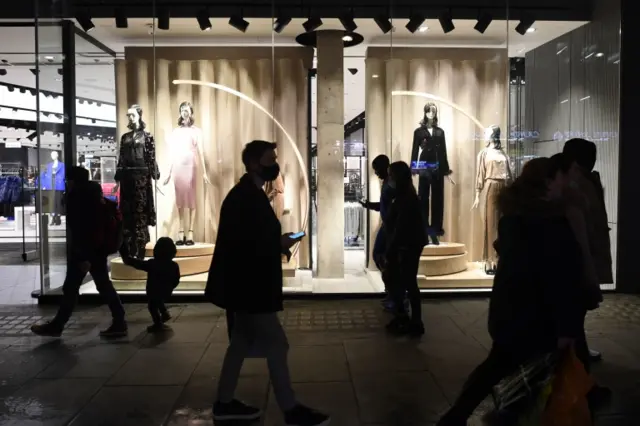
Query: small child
(163, 276)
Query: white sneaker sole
(325, 423)
(238, 417)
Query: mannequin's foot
(434, 240)
(189, 239)
(181, 239)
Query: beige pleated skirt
(492, 188)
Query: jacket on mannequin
(52, 178)
(136, 168)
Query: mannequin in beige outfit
(275, 192)
(492, 175)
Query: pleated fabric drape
(274, 78)
(476, 80)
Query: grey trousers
(264, 333)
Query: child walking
(163, 276)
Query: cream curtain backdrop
(474, 79)
(275, 78)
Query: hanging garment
(353, 221)
(52, 178)
(184, 144)
(492, 175)
(136, 168)
(277, 198)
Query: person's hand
(166, 181)
(476, 202)
(115, 189)
(287, 242)
(85, 266)
(565, 342)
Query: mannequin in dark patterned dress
(134, 173)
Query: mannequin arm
(200, 148)
(445, 158)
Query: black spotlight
(348, 23)
(446, 22)
(203, 20)
(3, 71)
(121, 19)
(85, 22)
(280, 23)
(34, 71)
(414, 23)
(239, 23)
(524, 25)
(60, 72)
(312, 24)
(484, 20)
(163, 19)
(383, 23)
(353, 71)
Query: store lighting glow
(292, 143)
(531, 30)
(375, 76)
(347, 38)
(423, 29)
(599, 55)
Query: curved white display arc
(301, 162)
(438, 99)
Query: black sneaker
(158, 328)
(415, 329)
(48, 329)
(305, 416)
(115, 330)
(235, 410)
(397, 324)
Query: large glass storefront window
(158, 103)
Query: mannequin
(185, 146)
(135, 169)
(430, 147)
(275, 193)
(492, 175)
(52, 179)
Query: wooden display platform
(473, 277)
(444, 259)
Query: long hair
(142, 124)
(528, 193)
(495, 136)
(180, 119)
(401, 174)
(427, 108)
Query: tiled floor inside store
(341, 362)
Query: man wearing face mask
(245, 279)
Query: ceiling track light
(85, 21)
(203, 20)
(121, 18)
(239, 23)
(446, 22)
(280, 24)
(484, 20)
(164, 16)
(415, 22)
(348, 23)
(312, 24)
(383, 23)
(3, 71)
(525, 24)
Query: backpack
(111, 228)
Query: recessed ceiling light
(531, 30)
(423, 28)
(49, 58)
(375, 76)
(599, 55)
(347, 38)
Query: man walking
(84, 201)
(245, 279)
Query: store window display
(135, 171)
(493, 173)
(429, 161)
(52, 183)
(185, 147)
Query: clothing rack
(17, 170)
(354, 224)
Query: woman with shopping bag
(534, 308)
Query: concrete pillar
(330, 120)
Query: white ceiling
(95, 73)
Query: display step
(443, 259)
(198, 249)
(195, 282)
(473, 277)
(188, 266)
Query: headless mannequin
(187, 215)
(493, 174)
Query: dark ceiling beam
(548, 10)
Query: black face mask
(269, 173)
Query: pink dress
(184, 151)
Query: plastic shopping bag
(567, 404)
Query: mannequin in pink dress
(185, 148)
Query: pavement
(341, 361)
